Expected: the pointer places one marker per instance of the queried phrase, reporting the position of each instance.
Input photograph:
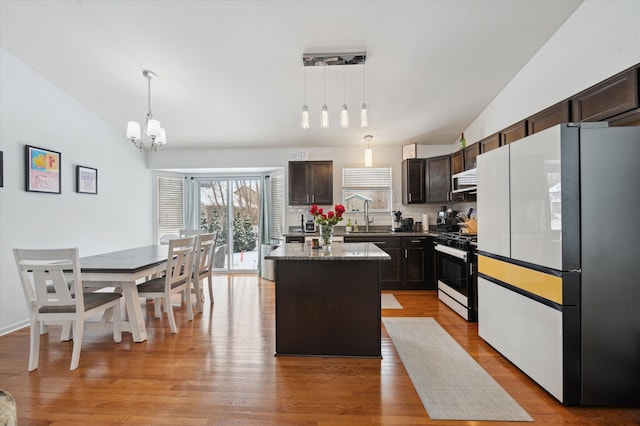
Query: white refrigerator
(558, 285)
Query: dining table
(125, 269)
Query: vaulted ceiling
(230, 73)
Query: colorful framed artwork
(43, 170)
(86, 180)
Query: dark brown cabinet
(514, 132)
(412, 261)
(413, 181)
(489, 143)
(630, 118)
(607, 99)
(470, 154)
(438, 179)
(556, 114)
(415, 262)
(310, 182)
(389, 271)
(457, 162)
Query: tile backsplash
(415, 211)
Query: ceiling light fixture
(324, 118)
(344, 113)
(368, 153)
(364, 115)
(324, 60)
(304, 122)
(155, 134)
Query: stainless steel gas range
(456, 273)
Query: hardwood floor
(220, 369)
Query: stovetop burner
(457, 239)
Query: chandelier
(332, 59)
(154, 137)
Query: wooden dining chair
(177, 279)
(204, 267)
(191, 232)
(52, 286)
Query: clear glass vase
(326, 232)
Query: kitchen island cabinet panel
(328, 303)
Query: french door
(231, 207)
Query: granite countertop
(339, 251)
(376, 233)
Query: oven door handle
(460, 254)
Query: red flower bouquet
(329, 218)
(326, 222)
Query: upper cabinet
(490, 143)
(470, 154)
(439, 178)
(609, 98)
(413, 181)
(310, 182)
(556, 114)
(514, 132)
(457, 162)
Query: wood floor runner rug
(389, 301)
(451, 385)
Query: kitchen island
(328, 303)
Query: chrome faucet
(366, 216)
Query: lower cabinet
(412, 261)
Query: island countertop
(339, 251)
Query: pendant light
(364, 116)
(325, 60)
(324, 117)
(344, 113)
(368, 153)
(304, 120)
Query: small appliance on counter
(447, 221)
(397, 222)
(310, 226)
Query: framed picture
(1, 169)
(86, 180)
(409, 151)
(43, 170)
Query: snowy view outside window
(236, 223)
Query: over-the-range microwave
(466, 181)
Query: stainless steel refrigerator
(558, 260)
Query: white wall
(383, 156)
(35, 112)
(599, 40)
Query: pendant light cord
(324, 84)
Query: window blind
(366, 177)
(169, 210)
(277, 207)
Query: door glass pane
(246, 213)
(214, 217)
(235, 221)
